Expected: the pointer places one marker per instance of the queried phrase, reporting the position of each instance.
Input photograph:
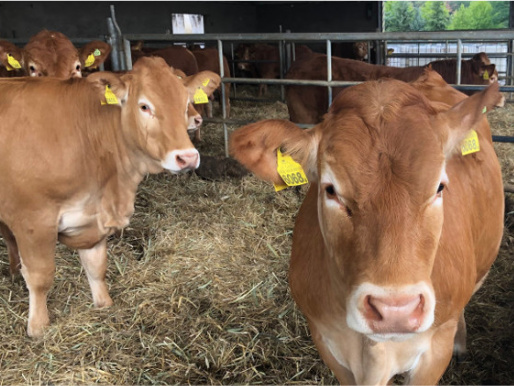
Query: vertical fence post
(459, 60)
(222, 92)
(113, 41)
(329, 71)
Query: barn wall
(87, 19)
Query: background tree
(399, 16)
(436, 15)
(479, 15)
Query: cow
(263, 61)
(73, 154)
(208, 60)
(308, 104)
(51, 53)
(176, 56)
(397, 230)
(351, 50)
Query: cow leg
(12, 249)
(37, 255)
(209, 109)
(459, 346)
(94, 261)
(433, 363)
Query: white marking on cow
(191, 157)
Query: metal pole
(459, 60)
(128, 56)
(113, 41)
(329, 71)
(222, 91)
(119, 41)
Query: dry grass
(199, 281)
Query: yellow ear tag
(486, 75)
(206, 82)
(97, 52)
(200, 97)
(110, 97)
(13, 62)
(291, 171)
(470, 143)
(90, 60)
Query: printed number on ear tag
(90, 60)
(110, 97)
(13, 62)
(486, 75)
(470, 143)
(200, 97)
(291, 172)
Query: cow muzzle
(178, 161)
(388, 313)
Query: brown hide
(71, 164)
(176, 57)
(397, 226)
(308, 104)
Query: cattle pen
(199, 279)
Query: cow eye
(77, 67)
(145, 108)
(32, 68)
(440, 189)
(331, 193)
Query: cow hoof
(36, 330)
(103, 303)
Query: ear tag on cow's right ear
(200, 96)
(110, 97)
(291, 171)
(90, 60)
(206, 82)
(97, 52)
(486, 75)
(13, 62)
(470, 143)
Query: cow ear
(487, 72)
(466, 115)
(255, 146)
(202, 84)
(94, 53)
(15, 62)
(111, 88)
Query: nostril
(371, 310)
(198, 121)
(180, 161)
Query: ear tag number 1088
(290, 171)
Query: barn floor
(199, 281)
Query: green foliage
(399, 16)
(479, 15)
(436, 15)
(441, 15)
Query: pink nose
(198, 120)
(394, 314)
(187, 160)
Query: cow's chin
(392, 337)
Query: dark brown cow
(267, 61)
(73, 154)
(176, 57)
(308, 104)
(208, 60)
(398, 228)
(51, 53)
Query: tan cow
(50, 53)
(398, 228)
(71, 164)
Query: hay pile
(199, 281)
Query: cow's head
(51, 53)
(360, 50)
(484, 72)
(154, 106)
(377, 167)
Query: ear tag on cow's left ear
(97, 52)
(206, 82)
(110, 97)
(486, 75)
(291, 171)
(200, 96)
(470, 143)
(13, 62)
(90, 60)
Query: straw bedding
(199, 281)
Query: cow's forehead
(374, 150)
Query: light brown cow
(71, 165)
(397, 230)
(308, 104)
(50, 53)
